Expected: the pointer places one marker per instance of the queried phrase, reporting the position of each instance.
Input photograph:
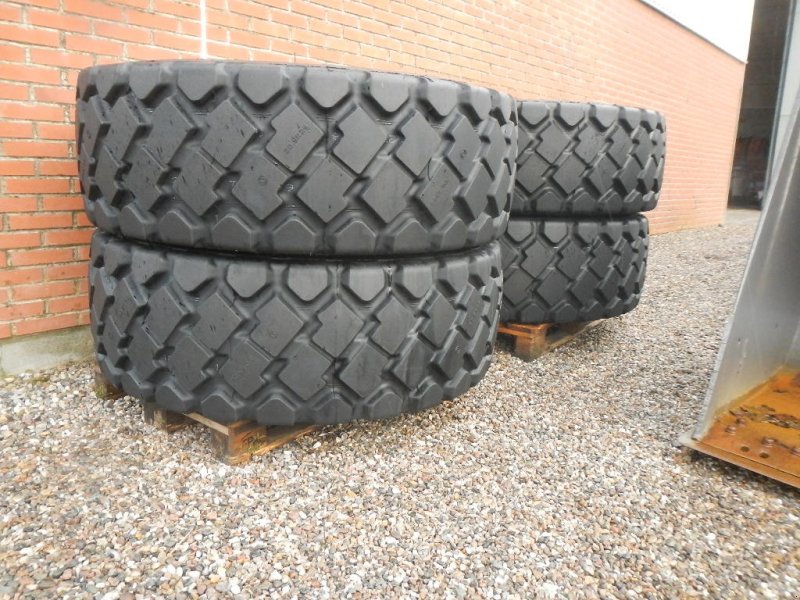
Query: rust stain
(763, 426)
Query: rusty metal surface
(761, 430)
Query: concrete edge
(44, 350)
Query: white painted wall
(724, 23)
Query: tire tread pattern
(587, 160)
(285, 342)
(292, 160)
(562, 271)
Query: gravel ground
(558, 478)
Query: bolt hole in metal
(763, 454)
(745, 448)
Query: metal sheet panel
(762, 335)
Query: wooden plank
(532, 341)
(165, 420)
(209, 423)
(103, 388)
(234, 443)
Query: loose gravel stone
(557, 478)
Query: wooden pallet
(234, 443)
(531, 341)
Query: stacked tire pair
(576, 246)
(289, 244)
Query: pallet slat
(234, 443)
(532, 341)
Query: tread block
(228, 134)
(295, 136)
(361, 139)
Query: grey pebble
(556, 478)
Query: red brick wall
(558, 49)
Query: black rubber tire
(284, 342)
(587, 160)
(292, 160)
(562, 271)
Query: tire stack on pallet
(576, 246)
(289, 245)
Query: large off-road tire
(292, 160)
(587, 160)
(562, 271)
(284, 342)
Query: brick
(10, 91)
(36, 149)
(275, 30)
(324, 55)
(40, 256)
(227, 51)
(229, 19)
(35, 291)
(43, 3)
(288, 18)
(27, 275)
(285, 47)
(39, 221)
(70, 271)
(123, 32)
(16, 167)
(20, 310)
(59, 58)
(29, 111)
(251, 40)
(137, 52)
(81, 220)
(35, 185)
(63, 95)
(68, 237)
(143, 4)
(19, 240)
(94, 9)
(48, 323)
(11, 53)
(16, 130)
(150, 20)
(308, 9)
(58, 167)
(30, 73)
(9, 12)
(86, 43)
(68, 304)
(28, 35)
(252, 9)
(50, 131)
(180, 9)
(176, 42)
(218, 33)
(56, 203)
(59, 21)
(11, 204)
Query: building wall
(622, 51)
